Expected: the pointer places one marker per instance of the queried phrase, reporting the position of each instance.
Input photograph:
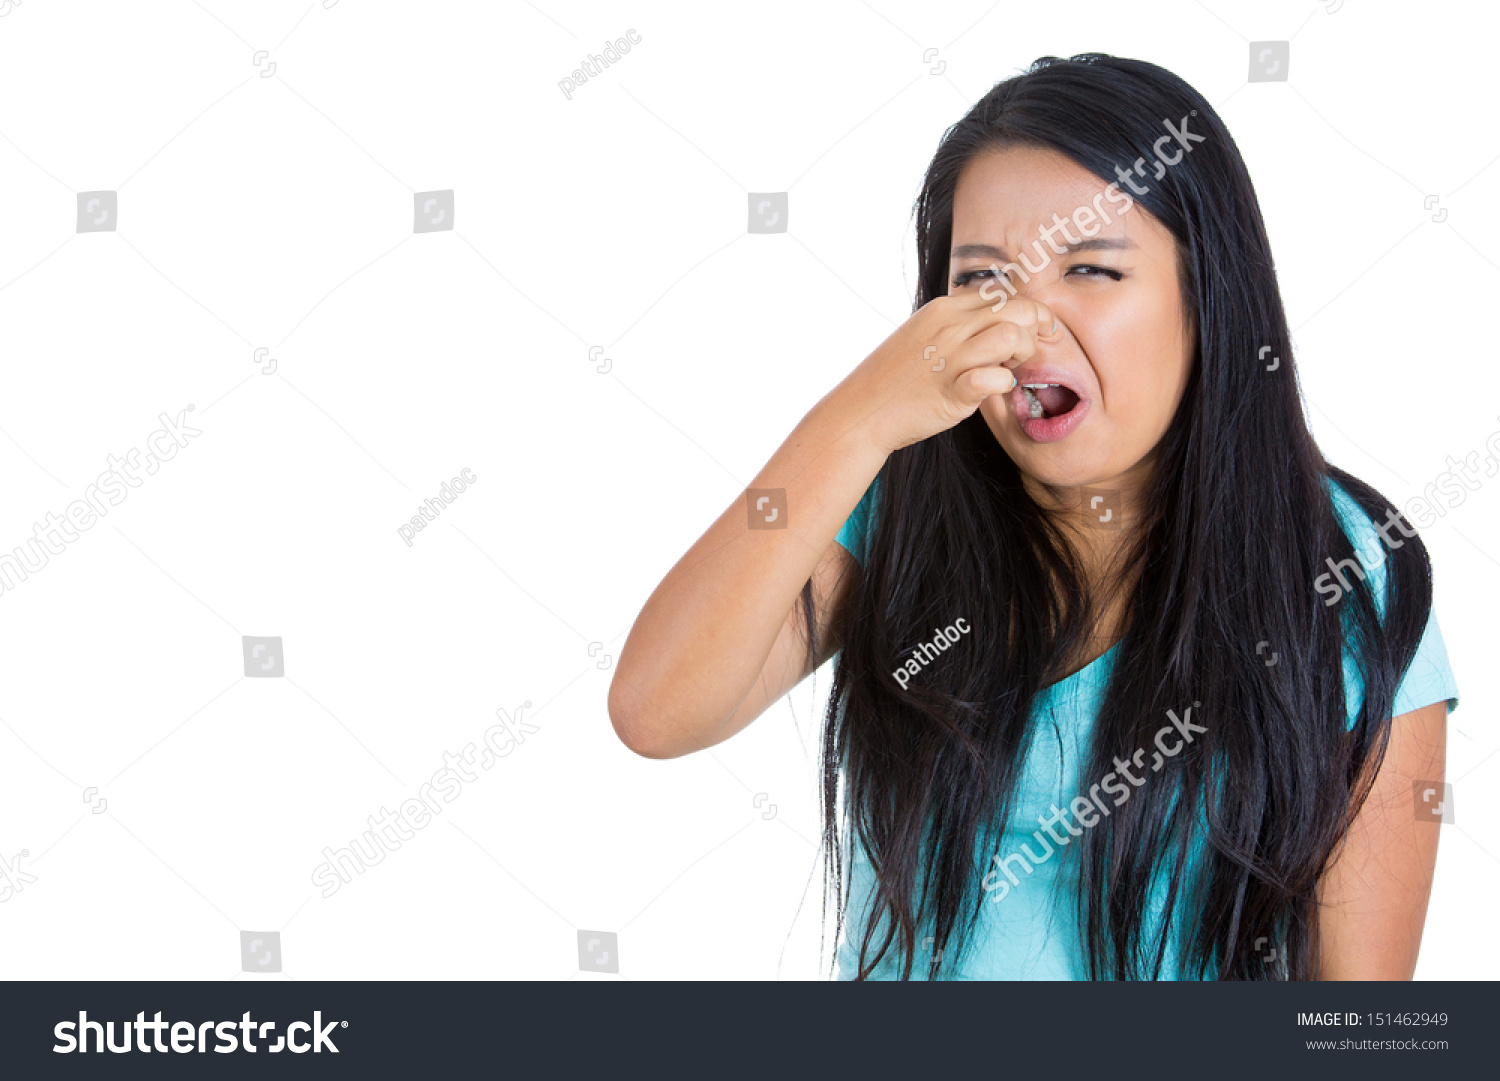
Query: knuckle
(940, 314)
(925, 316)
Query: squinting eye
(968, 277)
(961, 280)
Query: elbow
(630, 716)
(641, 740)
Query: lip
(1048, 429)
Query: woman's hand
(936, 368)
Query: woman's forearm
(704, 635)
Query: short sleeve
(1430, 678)
(855, 532)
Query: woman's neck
(1097, 520)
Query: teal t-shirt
(1028, 930)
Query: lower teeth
(1036, 406)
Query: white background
(277, 212)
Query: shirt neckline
(1085, 670)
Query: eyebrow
(1098, 243)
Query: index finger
(1023, 311)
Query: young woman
(1085, 570)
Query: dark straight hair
(1237, 523)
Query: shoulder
(1430, 677)
(1364, 537)
(1373, 540)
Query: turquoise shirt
(1029, 930)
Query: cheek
(1141, 368)
(1137, 397)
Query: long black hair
(1236, 525)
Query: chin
(1056, 467)
(1066, 464)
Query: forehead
(1006, 193)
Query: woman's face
(1121, 345)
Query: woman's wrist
(849, 421)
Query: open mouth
(1047, 400)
